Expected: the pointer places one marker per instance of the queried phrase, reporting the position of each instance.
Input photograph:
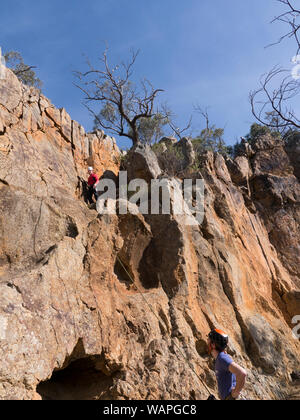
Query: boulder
(141, 162)
(186, 146)
(266, 142)
(239, 169)
(221, 168)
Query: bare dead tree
(122, 104)
(170, 118)
(292, 18)
(179, 131)
(271, 106)
(272, 102)
(204, 113)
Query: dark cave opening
(80, 380)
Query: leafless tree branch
(204, 113)
(268, 101)
(122, 103)
(291, 18)
(177, 131)
(24, 70)
(272, 106)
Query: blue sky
(204, 52)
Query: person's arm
(96, 182)
(241, 376)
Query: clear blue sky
(210, 52)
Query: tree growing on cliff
(24, 72)
(210, 137)
(150, 130)
(126, 109)
(272, 102)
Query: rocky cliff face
(118, 307)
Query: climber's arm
(240, 375)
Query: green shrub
(24, 72)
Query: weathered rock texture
(118, 307)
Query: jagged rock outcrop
(240, 170)
(292, 148)
(186, 146)
(276, 193)
(142, 163)
(118, 307)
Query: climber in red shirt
(92, 183)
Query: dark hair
(219, 338)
